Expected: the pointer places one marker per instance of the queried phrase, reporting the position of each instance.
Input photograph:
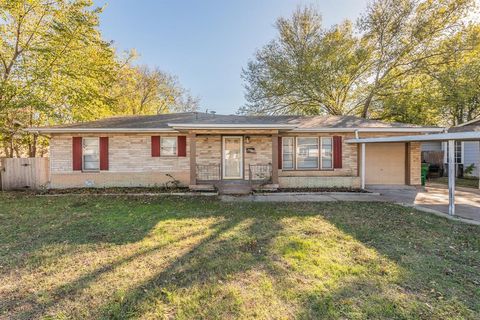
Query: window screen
(168, 146)
(91, 154)
(307, 153)
(327, 153)
(287, 153)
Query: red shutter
(182, 146)
(337, 152)
(280, 152)
(77, 153)
(155, 146)
(103, 153)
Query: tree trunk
(367, 104)
(17, 152)
(6, 150)
(32, 148)
(10, 154)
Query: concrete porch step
(202, 187)
(234, 188)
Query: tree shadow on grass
(417, 247)
(439, 259)
(240, 245)
(87, 220)
(70, 290)
(83, 223)
(195, 284)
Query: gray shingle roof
(471, 126)
(162, 121)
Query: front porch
(234, 162)
(210, 177)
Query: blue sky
(206, 43)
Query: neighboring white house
(466, 152)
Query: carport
(451, 138)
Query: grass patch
(459, 182)
(196, 258)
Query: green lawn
(459, 182)
(104, 257)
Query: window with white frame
(91, 154)
(327, 153)
(168, 146)
(307, 153)
(288, 155)
(458, 152)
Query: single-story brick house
(200, 148)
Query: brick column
(275, 158)
(193, 158)
(415, 169)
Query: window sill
(307, 170)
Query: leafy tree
(403, 36)
(141, 90)
(307, 70)
(457, 75)
(398, 64)
(411, 100)
(54, 66)
(445, 91)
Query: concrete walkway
(306, 197)
(432, 199)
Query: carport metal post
(451, 177)
(363, 166)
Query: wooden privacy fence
(433, 157)
(23, 173)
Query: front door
(232, 157)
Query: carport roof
(463, 136)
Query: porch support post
(363, 166)
(193, 158)
(451, 177)
(275, 159)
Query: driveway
(436, 197)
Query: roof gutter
(229, 126)
(377, 129)
(88, 130)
